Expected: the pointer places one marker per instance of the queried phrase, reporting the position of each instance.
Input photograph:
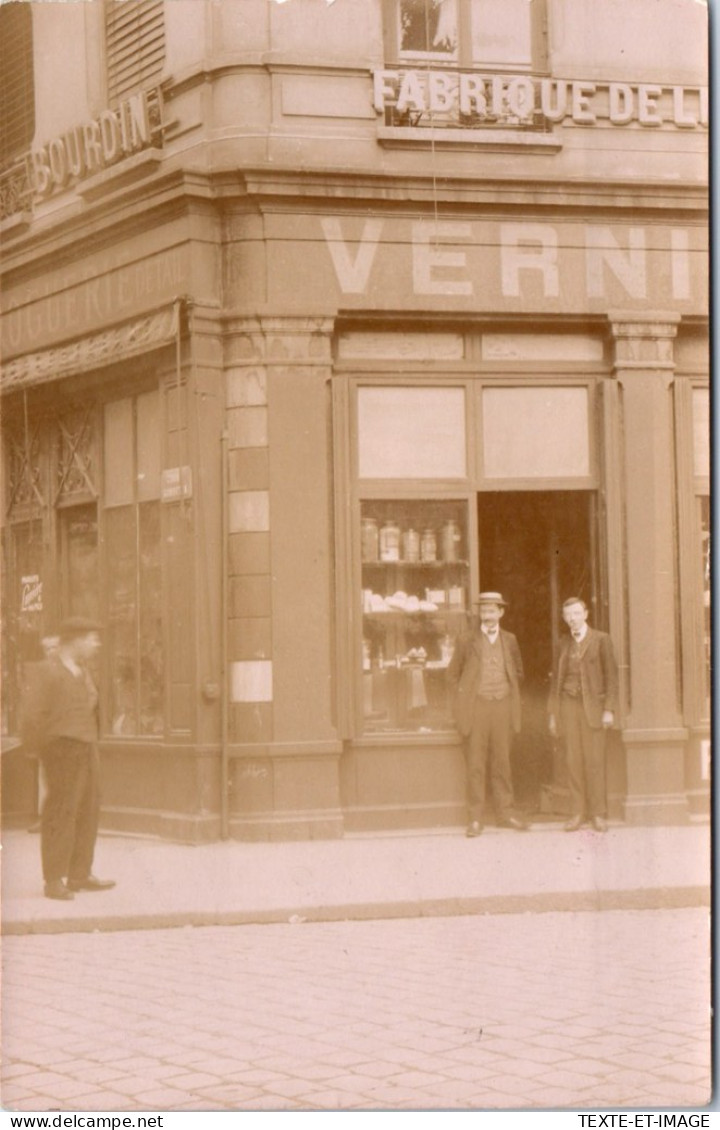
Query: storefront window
(521, 428)
(701, 430)
(411, 433)
(415, 595)
(132, 532)
(79, 563)
(706, 582)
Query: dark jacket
(57, 704)
(598, 677)
(464, 674)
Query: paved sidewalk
(379, 876)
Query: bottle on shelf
(390, 541)
(428, 546)
(369, 539)
(411, 546)
(450, 541)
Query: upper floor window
(17, 86)
(492, 34)
(135, 45)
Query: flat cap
(76, 626)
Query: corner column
(284, 745)
(653, 734)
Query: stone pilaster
(653, 733)
(284, 744)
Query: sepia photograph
(356, 578)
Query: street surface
(555, 1010)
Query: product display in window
(415, 577)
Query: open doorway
(538, 548)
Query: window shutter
(135, 44)
(17, 94)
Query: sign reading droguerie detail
(93, 146)
(467, 97)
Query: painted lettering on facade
(522, 260)
(468, 98)
(89, 298)
(88, 148)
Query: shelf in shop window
(401, 614)
(414, 564)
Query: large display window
(415, 594)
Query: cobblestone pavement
(549, 1011)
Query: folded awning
(118, 343)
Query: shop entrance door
(537, 548)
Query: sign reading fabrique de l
(455, 96)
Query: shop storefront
(293, 371)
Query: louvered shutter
(135, 44)
(17, 93)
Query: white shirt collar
(581, 633)
(70, 665)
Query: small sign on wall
(31, 593)
(176, 484)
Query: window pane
(119, 453)
(151, 637)
(534, 433)
(122, 619)
(415, 578)
(428, 27)
(706, 586)
(79, 568)
(411, 433)
(701, 431)
(501, 33)
(148, 446)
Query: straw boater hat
(491, 598)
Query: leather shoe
(574, 824)
(474, 828)
(56, 889)
(90, 884)
(513, 822)
(599, 824)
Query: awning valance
(119, 343)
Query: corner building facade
(316, 320)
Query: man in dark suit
(486, 671)
(60, 720)
(582, 707)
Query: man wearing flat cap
(60, 720)
(486, 671)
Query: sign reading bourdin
(524, 99)
(93, 146)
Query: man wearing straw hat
(486, 670)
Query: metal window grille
(17, 93)
(135, 45)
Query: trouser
(488, 744)
(71, 810)
(585, 753)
